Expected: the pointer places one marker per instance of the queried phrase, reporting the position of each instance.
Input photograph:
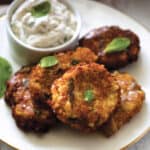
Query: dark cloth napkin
(5, 1)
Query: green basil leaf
(5, 73)
(75, 62)
(48, 61)
(65, 39)
(88, 95)
(117, 45)
(41, 9)
(2, 90)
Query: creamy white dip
(50, 30)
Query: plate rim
(147, 130)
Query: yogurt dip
(44, 23)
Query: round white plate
(93, 15)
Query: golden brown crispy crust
(28, 91)
(28, 115)
(71, 58)
(98, 39)
(68, 96)
(31, 117)
(17, 85)
(42, 78)
(132, 98)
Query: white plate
(93, 15)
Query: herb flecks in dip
(44, 23)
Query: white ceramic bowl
(25, 54)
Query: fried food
(98, 39)
(17, 85)
(81, 93)
(132, 98)
(42, 78)
(29, 90)
(31, 117)
(69, 101)
(28, 115)
(71, 58)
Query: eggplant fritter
(17, 85)
(28, 115)
(29, 90)
(71, 58)
(31, 117)
(70, 104)
(42, 78)
(132, 98)
(98, 39)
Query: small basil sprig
(117, 45)
(75, 62)
(41, 9)
(5, 73)
(48, 61)
(88, 95)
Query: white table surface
(139, 10)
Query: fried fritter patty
(29, 90)
(98, 39)
(132, 98)
(42, 78)
(70, 104)
(28, 115)
(71, 58)
(16, 86)
(31, 117)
